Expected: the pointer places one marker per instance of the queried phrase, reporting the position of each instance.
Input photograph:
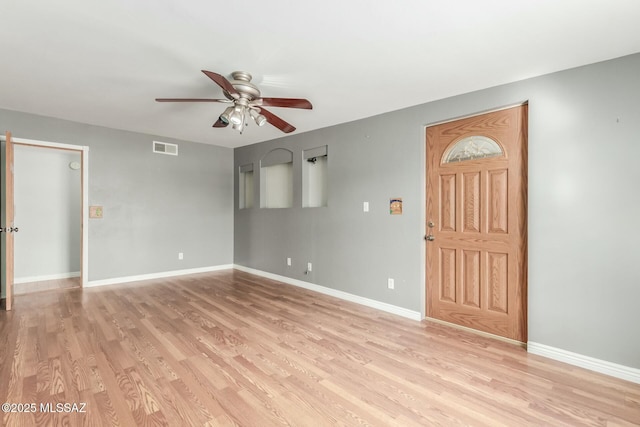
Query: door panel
(448, 202)
(497, 265)
(448, 274)
(476, 213)
(471, 278)
(471, 202)
(498, 201)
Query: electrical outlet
(289, 262)
(309, 267)
(180, 255)
(391, 283)
(365, 206)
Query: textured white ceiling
(104, 62)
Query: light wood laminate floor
(46, 285)
(230, 348)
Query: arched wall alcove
(245, 186)
(276, 179)
(314, 177)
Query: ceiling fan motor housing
(241, 81)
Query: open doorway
(48, 208)
(68, 225)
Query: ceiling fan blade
(220, 124)
(191, 100)
(222, 82)
(287, 103)
(277, 121)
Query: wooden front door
(8, 225)
(476, 222)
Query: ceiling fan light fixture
(237, 116)
(258, 118)
(226, 115)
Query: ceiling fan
(247, 102)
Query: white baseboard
(591, 363)
(383, 306)
(19, 280)
(118, 280)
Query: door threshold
(477, 332)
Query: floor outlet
(391, 283)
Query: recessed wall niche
(314, 177)
(276, 179)
(245, 186)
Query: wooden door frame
(6, 303)
(423, 226)
(84, 188)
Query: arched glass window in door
(471, 148)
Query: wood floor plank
(232, 349)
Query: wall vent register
(165, 148)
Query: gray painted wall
(47, 211)
(155, 205)
(584, 205)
